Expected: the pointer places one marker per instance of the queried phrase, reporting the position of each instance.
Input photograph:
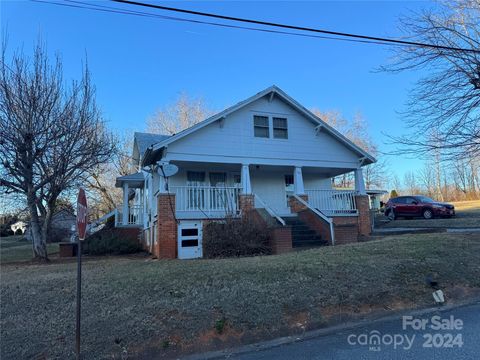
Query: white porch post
(162, 185)
(298, 181)
(245, 177)
(125, 204)
(359, 182)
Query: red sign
(81, 214)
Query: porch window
(196, 194)
(218, 178)
(218, 194)
(261, 127)
(280, 130)
(196, 177)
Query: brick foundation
(364, 221)
(280, 236)
(167, 227)
(295, 205)
(281, 239)
(346, 229)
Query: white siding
(233, 141)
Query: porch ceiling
(324, 171)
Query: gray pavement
(460, 341)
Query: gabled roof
(151, 152)
(145, 140)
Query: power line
(110, 9)
(293, 27)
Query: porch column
(245, 177)
(298, 181)
(359, 182)
(162, 185)
(125, 204)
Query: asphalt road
(460, 340)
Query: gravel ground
(137, 306)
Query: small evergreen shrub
(235, 237)
(108, 242)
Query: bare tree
(444, 104)
(104, 196)
(410, 183)
(376, 175)
(184, 113)
(51, 135)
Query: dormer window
(280, 130)
(261, 126)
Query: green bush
(5, 231)
(109, 242)
(235, 237)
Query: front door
(190, 240)
(289, 187)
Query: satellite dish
(168, 170)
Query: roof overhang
(133, 180)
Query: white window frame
(270, 126)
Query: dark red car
(417, 206)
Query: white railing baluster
(206, 198)
(333, 202)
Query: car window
(411, 201)
(399, 200)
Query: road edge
(269, 344)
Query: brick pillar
(246, 203)
(363, 207)
(295, 205)
(166, 246)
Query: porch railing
(134, 216)
(333, 202)
(206, 199)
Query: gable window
(260, 126)
(280, 130)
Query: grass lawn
(467, 216)
(137, 306)
(17, 248)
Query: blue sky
(140, 64)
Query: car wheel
(427, 214)
(391, 215)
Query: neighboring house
(267, 156)
(62, 225)
(22, 225)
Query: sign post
(82, 229)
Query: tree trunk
(39, 244)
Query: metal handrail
(270, 211)
(318, 213)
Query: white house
(266, 152)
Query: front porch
(211, 191)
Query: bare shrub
(235, 237)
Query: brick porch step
(302, 235)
